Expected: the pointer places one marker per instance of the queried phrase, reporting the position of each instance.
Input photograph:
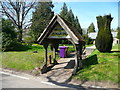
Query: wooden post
(78, 58)
(44, 68)
(79, 55)
(55, 47)
(76, 64)
(45, 57)
(49, 59)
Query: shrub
(28, 40)
(88, 40)
(104, 38)
(9, 36)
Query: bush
(8, 43)
(87, 39)
(9, 36)
(104, 38)
(118, 34)
(28, 40)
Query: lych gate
(59, 29)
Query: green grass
(70, 49)
(24, 59)
(116, 47)
(89, 45)
(100, 67)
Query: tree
(9, 36)
(64, 11)
(104, 38)
(17, 12)
(69, 16)
(91, 28)
(77, 25)
(118, 34)
(40, 19)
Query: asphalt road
(18, 81)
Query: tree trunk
(20, 34)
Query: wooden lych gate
(60, 29)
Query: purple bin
(63, 51)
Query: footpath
(63, 71)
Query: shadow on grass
(23, 48)
(26, 48)
(92, 60)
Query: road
(10, 80)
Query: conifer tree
(40, 19)
(64, 11)
(77, 25)
(118, 34)
(91, 28)
(69, 16)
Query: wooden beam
(44, 68)
(45, 57)
(55, 47)
(78, 58)
(79, 55)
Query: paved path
(89, 50)
(63, 71)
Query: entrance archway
(59, 29)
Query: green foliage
(91, 28)
(69, 16)
(8, 28)
(104, 38)
(87, 39)
(78, 27)
(64, 11)
(9, 36)
(118, 34)
(40, 19)
(28, 40)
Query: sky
(87, 11)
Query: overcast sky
(87, 11)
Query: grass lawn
(71, 47)
(24, 59)
(89, 45)
(101, 67)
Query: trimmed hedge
(104, 38)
